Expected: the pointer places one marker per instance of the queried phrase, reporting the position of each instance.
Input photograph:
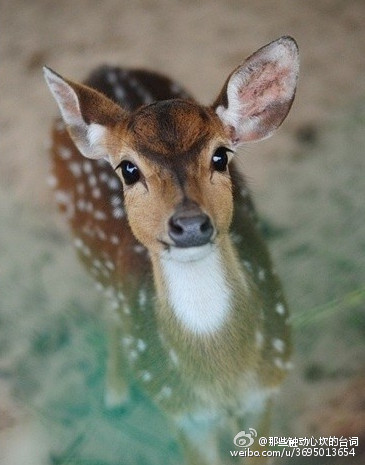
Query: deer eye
(130, 172)
(220, 159)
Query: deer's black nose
(190, 228)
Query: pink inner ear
(70, 103)
(65, 97)
(260, 92)
(264, 86)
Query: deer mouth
(187, 254)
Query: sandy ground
(309, 188)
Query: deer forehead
(173, 129)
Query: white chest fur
(197, 292)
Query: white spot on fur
(126, 310)
(282, 365)
(132, 355)
(113, 183)
(87, 167)
(92, 180)
(165, 393)
(175, 88)
(80, 187)
(127, 341)
(118, 213)
(78, 243)
(139, 249)
(142, 297)
(140, 90)
(86, 251)
(104, 177)
(197, 290)
(119, 92)
(236, 238)
(81, 205)
(75, 168)
(146, 376)
(248, 265)
(109, 264)
(280, 309)
(97, 264)
(99, 215)
(141, 345)
(115, 305)
(161, 336)
(115, 200)
(102, 162)
(88, 231)
(112, 77)
(278, 345)
(261, 274)
(96, 193)
(114, 239)
(101, 234)
(174, 358)
(64, 152)
(99, 286)
(279, 363)
(52, 181)
(105, 272)
(259, 339)
(289, 365)
(110, 293)
(62, 197)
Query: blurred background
(308, 183)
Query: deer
(162, 217)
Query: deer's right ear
(87, 113)
(258, 94)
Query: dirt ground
(309, 187)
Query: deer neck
(199, 292)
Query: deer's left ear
(258, 95)
(87, 113)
